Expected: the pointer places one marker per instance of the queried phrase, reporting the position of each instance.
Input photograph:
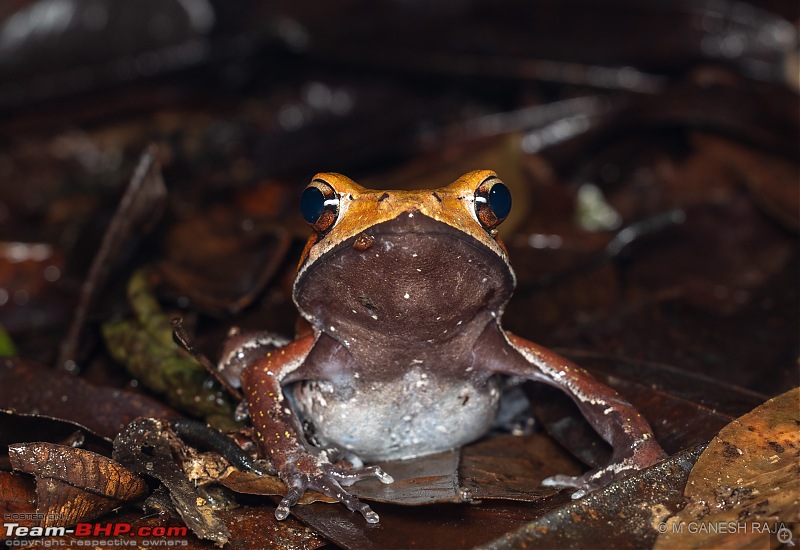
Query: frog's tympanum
(403, 352)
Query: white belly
(412, 416)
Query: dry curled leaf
(74, 485)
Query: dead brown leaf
(74, 485)
(746, 484)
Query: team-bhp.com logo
(95, 530)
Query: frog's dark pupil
(500, 200)
(312, 203)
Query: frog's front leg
(613, 418)
(299, 465)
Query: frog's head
(415, 263)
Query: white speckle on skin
(374, 316)
(484, 280)
(255, 342)
(417, 361)
(406, 296)
(354, 311)
(356, 375)
(414, 255)
(441, 429)
(332, 328)
(410, 214)
(568, 381)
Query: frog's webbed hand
(299, 465)
(613, 418)
(314, 470)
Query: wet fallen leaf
(502, 467)
(626, 512)
(746, 484)
(27, 387)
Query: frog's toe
(327, 484)
(587, 482)
(318, 474)
(595, 479)
(349, 476)
(582, 484)
(561, 480)
(356, 505)
(296, 489)
(643, 454)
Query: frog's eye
(319, 205)
(492, 202)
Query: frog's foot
(644, 454)
(590, 481)
(317, 473)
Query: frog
(400, 351)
